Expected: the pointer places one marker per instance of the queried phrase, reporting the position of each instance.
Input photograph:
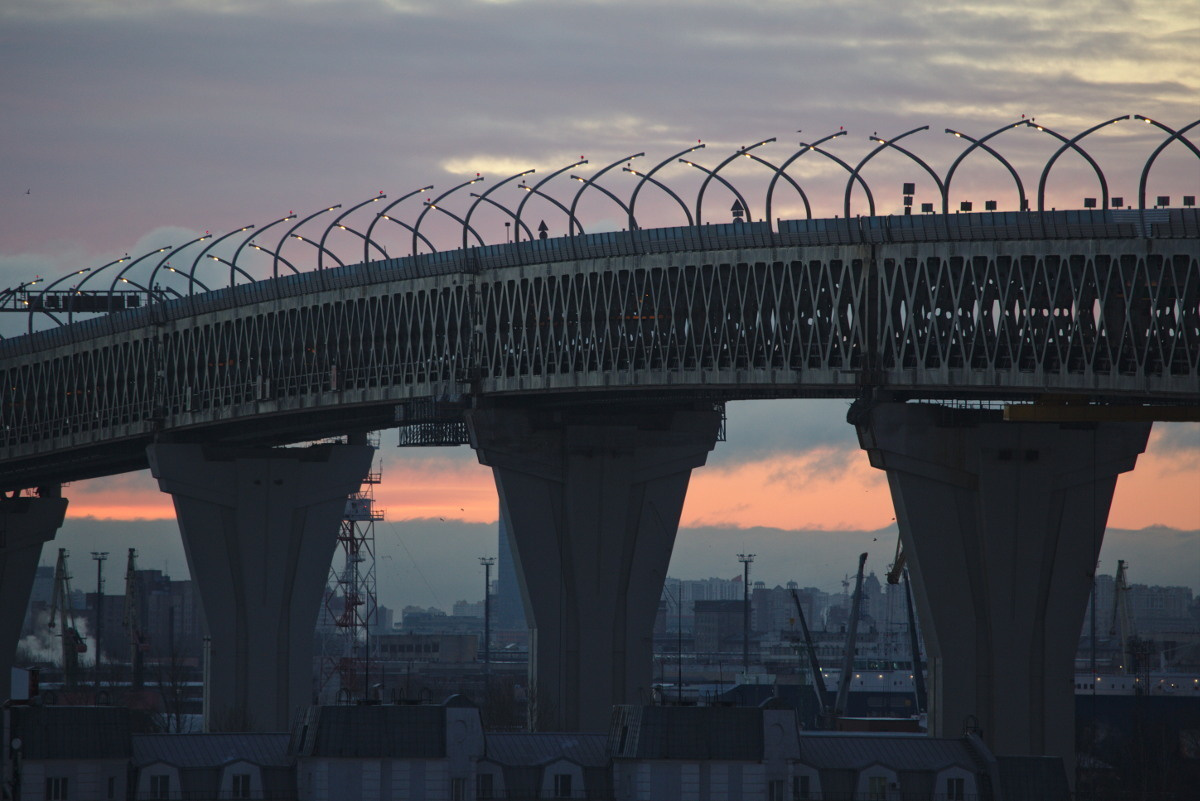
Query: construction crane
(138, 642)
(1121, 624)
(898, 571)
(839, 705)
(814, 664)
(61, 607)
(1135, 651)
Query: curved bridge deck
(1006, 305)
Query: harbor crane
(839, 705)
(1135, 651)
(814, 665)
(61, 608)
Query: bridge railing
(834, 232)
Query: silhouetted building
(719, 626)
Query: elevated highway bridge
(1011, 306)
(589, 372)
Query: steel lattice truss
(750, 313)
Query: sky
(128, 125)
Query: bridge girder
(836, 309)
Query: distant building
(719, 626)
(468, 609)
(383, 621)
(451, 648)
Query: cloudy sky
(127, 125)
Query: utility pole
(99, 556)
(487, 562)
(746, 559)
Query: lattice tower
(350, 597)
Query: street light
(779, 173)
(283, 240)
(337, 224)
(592, 182)
(981, 143)
(533, 190)
(743, 151)
(384, 215)
(487, 562)
(746, 559)
(484, 196)
(646, 176)
(882, 145)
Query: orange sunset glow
(825, 488)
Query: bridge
(589, 371)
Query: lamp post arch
(1073, 144)
(534, 191)
(862, 182)
(724, 182)
(208, 247)
(325, 235)
(795, 184)
(251, 236)
(781, 172)
(320, 249)
(506, 210)
(132, 263)
(741, 151)
(981, 143)
(1173, 135)
(646, 176)
(592, 181)
(432, 204)
(884, 144)
(484, 196)
(384, 215)
(288, 235)
(163, 261)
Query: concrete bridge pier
(26, 523)
(1002, 523)
(259, 528)
(591, 499)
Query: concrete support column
(259, 528)
(26, 523)
(591, 500)
(1002, 523)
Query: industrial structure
(589, 372)
(351, 603)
